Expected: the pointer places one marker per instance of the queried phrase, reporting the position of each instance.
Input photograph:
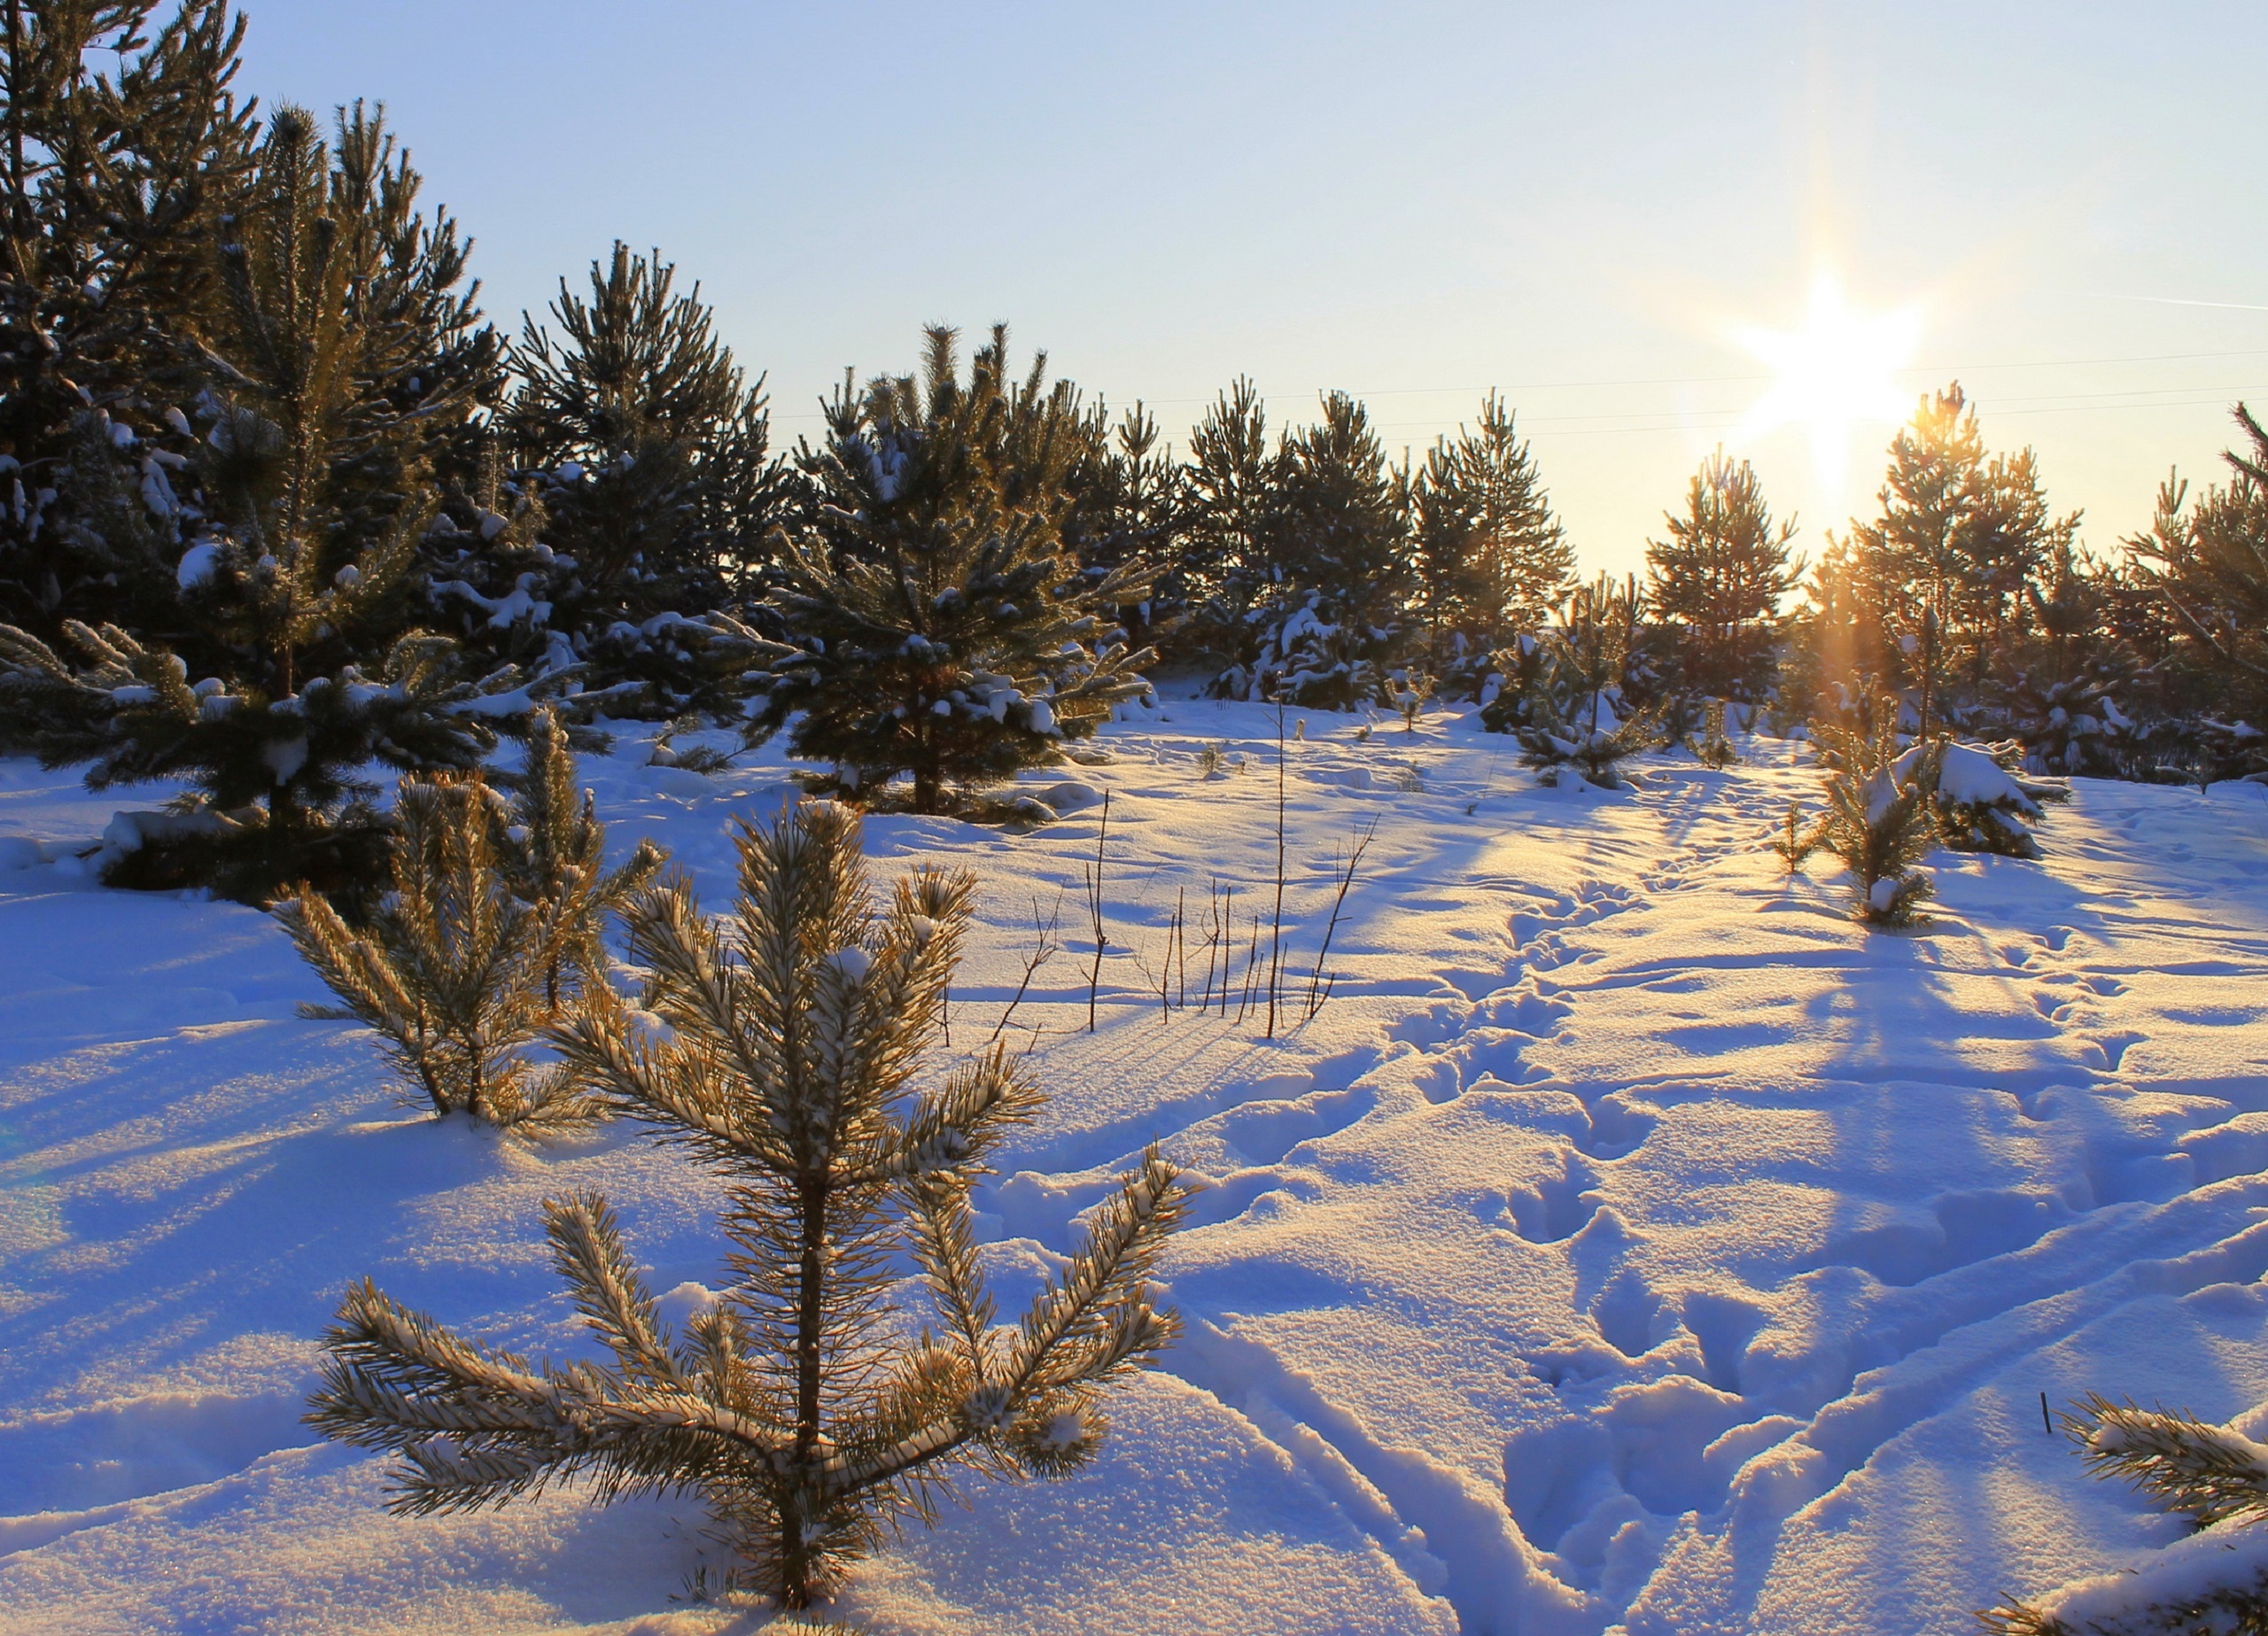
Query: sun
(1832, 375)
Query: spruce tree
(941, 629)
(779, 1050)
(116, 185)
(295, 593)
(1492, 560)
(1721, 575)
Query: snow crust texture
(1631, 1243)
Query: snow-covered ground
(1631, 1241)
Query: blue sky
(1576, 204)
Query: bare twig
(1044, 948)
(1276, 936)
(1094, 908)
(1317, 989)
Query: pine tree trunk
(795, 1552)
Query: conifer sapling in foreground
(492, 922)
(1880, 818)
(778, 1047)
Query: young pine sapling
(492, 921)
(1880, 820)
(779, 1047)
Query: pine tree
(1233, 494)
(646, 451)
(1945, 565)
(779, 1050)
(317, 467)
(1131, 506)
(492, 928)
(941, 629)
(1575, 716)
(1721, 575)
(2208, 1474)
(116, 185)
(2057, 690)
(1881, 818)
(1339, 551)
(1492, 560)
(2208, 561)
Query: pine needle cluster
(1881, 818)
(493, 924)
(779, 1047)
(2206, 1473)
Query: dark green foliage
(1881, 820)
(2210, 561)
(641, 491)
(1338, 554)
(279, 795)
(941, 629)
(1226, 560)
(294, 599)
(1574, 716)
(780, 1051)
(118, 171)
(1928, 594)
(1130, 507)
(1491, 561)
(1719, 577)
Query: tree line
(281, 502)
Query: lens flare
(1835, 374)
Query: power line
(1928, 370)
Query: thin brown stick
(1275, 933)
(1318, 990)
(1044, 948)
(1094, 907)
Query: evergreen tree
(2059, 688)
(316, 460)
(1574, 716)
(1881, 816)
(639, 491)
(1492, 560)
(492, 927)
(1338, 542)
(1945, 567)
(116, 185)
(1232, 495)
(647, 406)
(941, 629)
(779, 1050)
(1130, 507)
(1721, 575)
(2208, 561)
